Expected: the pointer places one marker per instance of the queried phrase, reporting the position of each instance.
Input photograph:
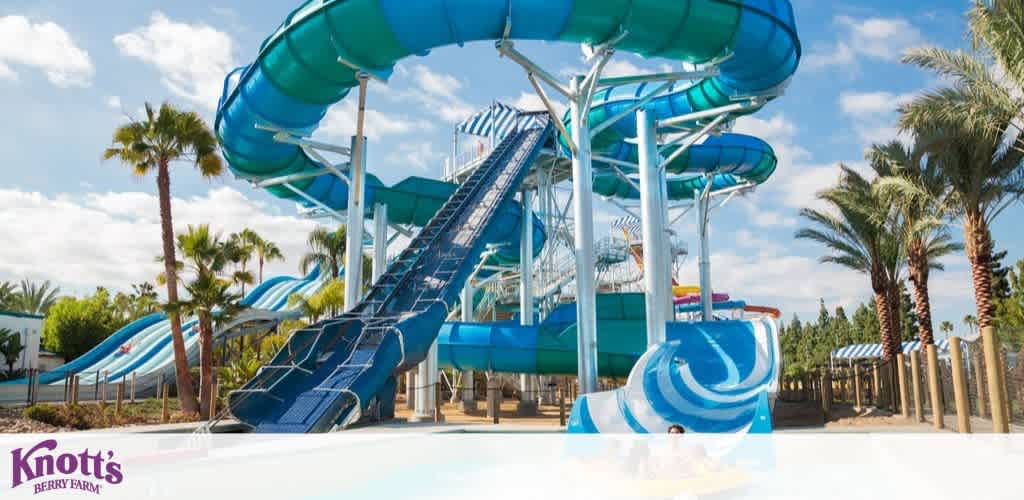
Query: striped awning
(499, 119)
(861, 351)
(629, 223)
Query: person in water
(676, 429)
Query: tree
(7, 295)
(946, 327)
(1000, 274)
(10, 349)
(912, 183)
(326, 249)
(163, 138)
(241, 247)
(328, 301)
(1010, 310)
(971, 322)
(858, 239)
(32, 298)
(975, 129)
(266, 251)
(206, 257)
(74, 326)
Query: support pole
(468, 394)
(410, 389)
(902, 385)
(996, 396)
(356, 185)
(857, 402)
(979, 380)
(165, 408)
(876, 386)
(426, 379)
(583, 212)
(528, 396)
(934, 389)
(652, 210)
(702, 202)
(380, 240)
(915, 384)
(963, 409)
(493, 397)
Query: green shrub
(44, 413)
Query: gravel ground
(11, 422)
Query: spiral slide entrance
(327, 374)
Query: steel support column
(468, 396)
(703, 202)
(652, 210)
(356, 188)
(528, 398)
(583, 213)
(380, 240)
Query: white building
(29, 327)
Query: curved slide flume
(312, 61)
(144, 346)
(298, 75)
(708, 377)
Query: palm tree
(10, 349)
(7, 295)
(207, 258)
(163, 138)
(946, 327)
(976, 123)
(971, 322)
(32, 298)
(912, 184)
(859, 240)
(243, 245)
(266, 251)
(327, 249)
(326, 302)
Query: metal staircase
(327, 373)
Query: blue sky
(69, 74)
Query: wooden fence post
(915, 384)
(561, 407)
(826, 394)
(979, 381)
(74, 390)
(120, 399)
(963, 412)
(938, 408)
(165, 415)
(875, 385)
(993, 367)
(856, 387)
(133, 388)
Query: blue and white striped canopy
(499, 118)
(861, 351)
(629, 223)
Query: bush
(44, 413)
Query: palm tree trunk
(884, 325)
(261, 270)
(186, 397)
(918, 267)
(205, 364)
(892, 296)
(979, 253)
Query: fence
(925, 386)
(67, 386)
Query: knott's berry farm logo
(44, 467)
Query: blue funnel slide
(708, 377)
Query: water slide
(144, 346)
(328, 373)
(708, 377)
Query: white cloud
(340, 122)
(875, 38)
(873, 115)
(872, 103)
(418, 155)
(111, 239)
(44, 46)
(780, 281)
(435, 93)
(528, 101)
(114, 102)
(192, 58)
